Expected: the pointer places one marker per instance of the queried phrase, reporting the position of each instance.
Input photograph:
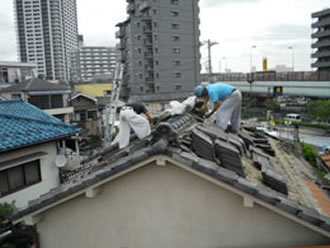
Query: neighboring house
(188, 184)
(88, 112)
(28, 148)
(51, 97)
(89, 105)
(14, 72)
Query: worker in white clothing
(226, 101)
(130, 118)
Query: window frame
(25, 184)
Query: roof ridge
(28, 84)
(36, 120)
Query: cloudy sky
(271, 26)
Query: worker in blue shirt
(226, 101)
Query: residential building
(321, 44)
(159, 45)
(51, 97)
(15, 72)
(90, 62)
(47, 33)
(189, 184)
(89, 103)
(28, 151)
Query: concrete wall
(167, 207)
(49, 172)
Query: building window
(175, 26)
(177, 62)
(176, 50)
(178, 87)
(175, 2)
(47, 102)
(177, 75)
(175, 38)
(19, 177)
(154, 11)
(174, 13)
(155, 24)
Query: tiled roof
(320, 196)
(234, 160)
(35, 84)
(94, 90)
(22, 124)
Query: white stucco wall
(167, 207)
(49, 173)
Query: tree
(272, 105)
(320, 110)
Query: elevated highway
(303, 83)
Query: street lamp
(252, 47)
(292, 51)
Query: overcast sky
(237, 25)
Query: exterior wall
(167, 207)
(49, 173)
(147, 44)
(93, 61)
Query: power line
(209, 44)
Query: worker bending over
(130, 118)
(227, 103)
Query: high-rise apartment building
(321, 33)
(91, 61)
(159, 45)
(47, 33)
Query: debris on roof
(250, 162)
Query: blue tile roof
(22, 124)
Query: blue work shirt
(219, 91)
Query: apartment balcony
(321, 54)
(148, 54)
(147, 29)
(119, 34)
(149, 68)
(320, 44)
(321, 34)
(321, 23)
(321, 13)
(144, 6)
(150, 79)
(130, 8)
(325, 64)
(147, 41)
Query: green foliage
(93, 139)
(272, 105)
(309, 154)
(6, 209)
(320, 109)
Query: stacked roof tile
(206, 149)
(22, 124)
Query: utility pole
(209, 45)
